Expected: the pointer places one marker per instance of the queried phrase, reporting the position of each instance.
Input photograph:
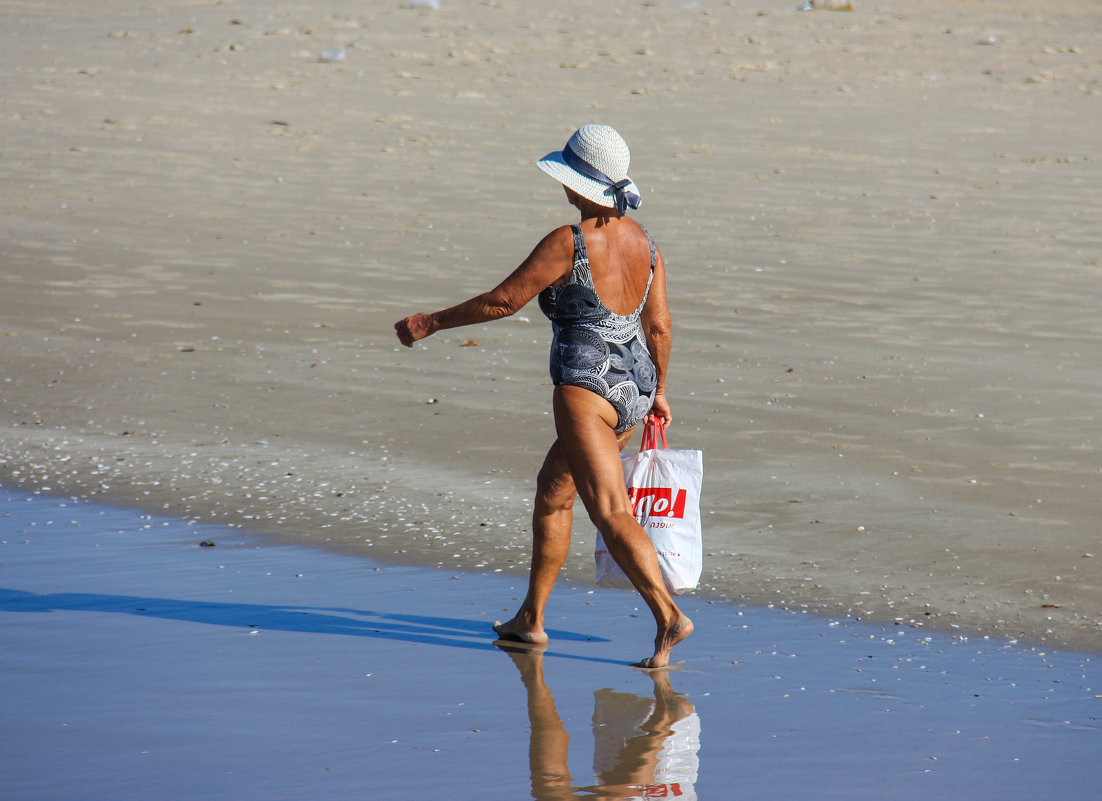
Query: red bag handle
(652, 430)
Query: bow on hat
(624, 198)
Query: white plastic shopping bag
(664, 487)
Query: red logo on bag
(657, 502)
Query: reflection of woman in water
(643, 747)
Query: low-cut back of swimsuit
(595, 348)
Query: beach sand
(139, 664)
(880, 230)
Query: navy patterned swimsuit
(595, 348)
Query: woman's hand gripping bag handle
(664, 488)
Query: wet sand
(140, 664)
(880, 227)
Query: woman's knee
(615, 525)
(555, 490)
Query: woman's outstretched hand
(415, 327)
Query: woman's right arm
(550, 261)
(658, 330)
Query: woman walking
(602, 283)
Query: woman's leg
(585, 422)
(552, 517)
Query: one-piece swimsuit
(595, 348)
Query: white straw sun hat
(594, 164)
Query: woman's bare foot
(664, 643)
(520, 631)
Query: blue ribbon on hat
(624, 198)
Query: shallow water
(139, 664)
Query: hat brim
(602, 195)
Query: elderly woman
(602, 283)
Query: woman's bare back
(619, 261)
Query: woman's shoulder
(559, 242)
(559, 236)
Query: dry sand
(881, 227)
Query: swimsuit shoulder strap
(650, 278)
(653, 249)
(579, 244)
(580, 273)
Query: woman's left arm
(658, 330)
(550, 261)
